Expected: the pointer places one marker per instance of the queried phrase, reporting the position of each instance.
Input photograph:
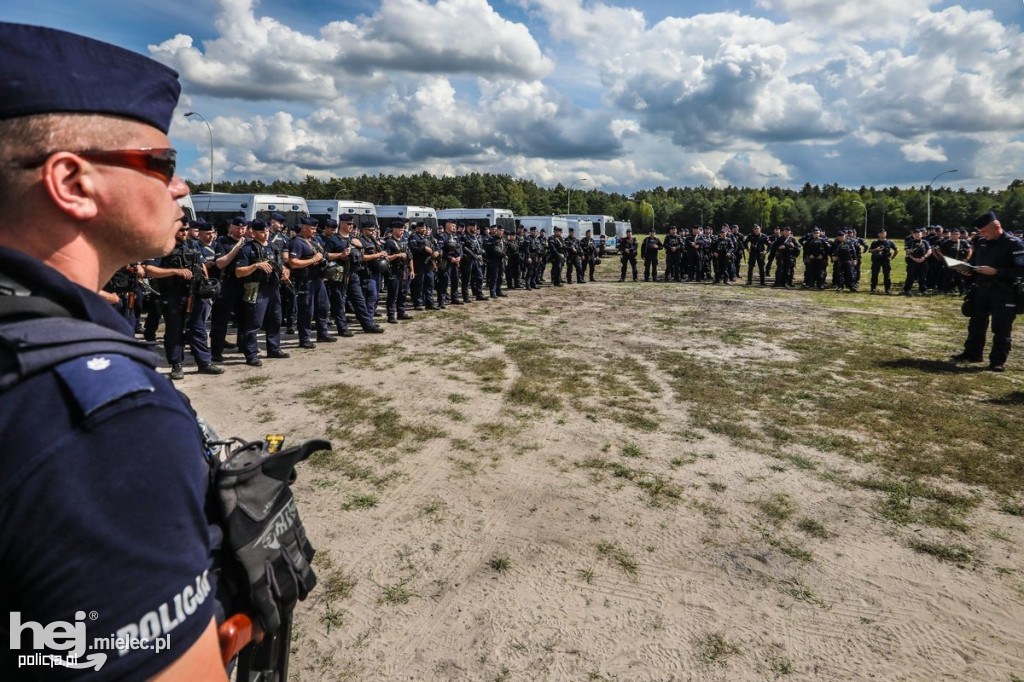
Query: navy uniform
(723, 255)
(674, 246)
(916, 254)
(530, 253)
(816, 256)
(589, 254)
(756, 246)
(105, 477)
(572, 257)
(229, 300)
(178, 275)
(785, 251)
(844, 253)
(627, 255)
(737, 253)
(495, 249)
(957, 249)
(398, 253)
(771, 251)
(650, 248)
(473, 255)
(1001, 256)
(305, 256)
(356, 271)
(882, 251)
(424, 262)
(449, 281)
(259, 271)
(556, 253)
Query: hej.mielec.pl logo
(59, 643)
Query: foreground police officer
(93, 523)
(998, 263)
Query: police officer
(756, 245)
(530, 254)
(229, 300)
(957, 249)
(674, 247)
(355, 271)
(451, 249)
(882, 251)
(627, 255)
(844, 254)
(473, 255)
(723, 254)
(998, 264)
(785, 250)
(495, 249)
(397, 250)
(424, 254)
(373, 280)
(589, 247)
(916, 254)
(556, 254)
(650, 248)
(178, 273)
(259, 271)
(103, 511)
(305, 257)
(337, 271)
(817, 251)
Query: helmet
(209, 288)
(597, 261)
(382, 266)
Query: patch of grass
(659, 488)
(778, 508)
(1011, 508)
(361, 502)
(781, 666)
(332, 618)
(952, 553)
(913, 501)
(814, 529)
(496, 430)
(254, 382)
(619, 557)
(399, 593)
(457, 398)
(585, 574)
(335, 585)
(489, 370)
(715, 649)
(500, 563)
(796, 589)
(632, 450)
(532, 393)
(787, 546)
(715, 486)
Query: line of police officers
(698, 255)
(267, 278)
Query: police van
(363, 212)
(414, 214)
(220, 207)
(606, 225)
(546, 224)
(483, 217)
(186, 205)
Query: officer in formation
(785, 250)
(998, 263)
(756, 246)
(259, 266)
(572, 255)
(556, 254)
(534, 253)
(356, 279)
(424, 251)
(590, 249)
(916, 253)
(177, 277)
(844, 255)
(448, 280)
(650, 248)
(397, 249)
(473, 257)
(496, 246)
(627, 255)
(674, 252)
(883, 251)
(724, 251)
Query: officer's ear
(72, 184)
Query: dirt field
(651, 482)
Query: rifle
(259, 657)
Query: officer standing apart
(627, 249)
(883, 251)
(93, 523)
(650, 248)
(998, 264)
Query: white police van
(363, 212)
(547, 224)
(483, 217)
(613, 230)
(220, 207)
(414, 214)
(187, 206)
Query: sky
(627, 94)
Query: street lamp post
(930, 193)
(568, 193)
(210, 128)
(865, 217)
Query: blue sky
(629, 94)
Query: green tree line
(828, 206)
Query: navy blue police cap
(397, 223)
(331, 222)
(205, 226)
(984, 219)
(237, 221)
(306, 220)
(279, 217)
(257, 224)
(346, 218)
(533, 228)
(558, 229)
(47, 71)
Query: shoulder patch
(98, 380)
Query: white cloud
(921, 151)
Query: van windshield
(507, 224)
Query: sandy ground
(517, 561)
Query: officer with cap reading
(94, 523)
(998, 264)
